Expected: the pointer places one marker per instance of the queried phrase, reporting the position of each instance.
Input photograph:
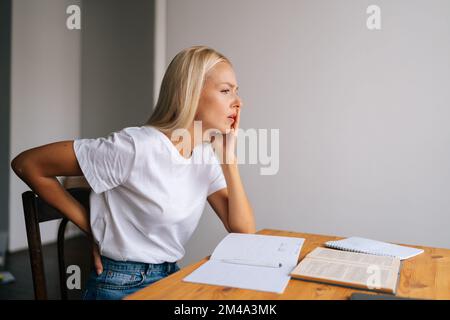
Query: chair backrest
(36, 211)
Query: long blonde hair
(181, 87)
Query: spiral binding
(334, 245)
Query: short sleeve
(106, 162)
(217, 179)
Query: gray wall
(117, 65)
(45, 93)
(363, 115)
(67, 84)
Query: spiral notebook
(363, 245)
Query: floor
(18, 263)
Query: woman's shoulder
(142, 133)
(145, 137)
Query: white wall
(45, 92)
(67, 84)
(363, 115)
(117, 65)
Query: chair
(36, 211)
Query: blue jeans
(121, 278)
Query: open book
(358, 270)
(250, 261)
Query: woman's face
(219, 100)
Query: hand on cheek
(235, 125)
(224, 144)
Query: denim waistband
(131, 266)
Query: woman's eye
(226, 90)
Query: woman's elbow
(21, 165)
(249, 229)
(16, 165)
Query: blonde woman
(149, 187)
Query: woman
(149, 187)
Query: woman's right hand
(97, 259)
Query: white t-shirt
(148, 198)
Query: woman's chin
(227, 129)
(223, 128)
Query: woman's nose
(238, 102)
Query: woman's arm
(231, 203)
(39, 167)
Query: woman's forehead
(222, 73)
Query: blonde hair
(181, 87)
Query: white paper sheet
(246, 249)
(369, 246)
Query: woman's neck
(194, 138)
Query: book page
(379, 272)
(342, 272)
(259, 248)
(217, 273)
(352, 257)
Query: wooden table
(424, 276)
